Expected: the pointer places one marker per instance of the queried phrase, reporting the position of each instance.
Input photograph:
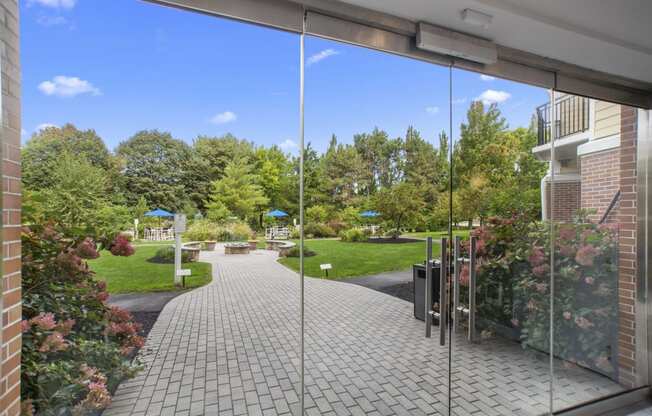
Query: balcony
(572, 117)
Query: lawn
(359, 259)
(136, 274)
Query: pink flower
(583, 323)
(25, 325)
(567, 233)
(589, 280)
(585, 255)
(537, 257)
(66, 326)
(117, 314)
(121, 246)
(44, 321)
(541, 271)
(54, 342)
(87, 249)
(98, 397)
(92, 374)
(101, 285)
(464, 275)
(102, 296)
(515, 322)
(567, 315)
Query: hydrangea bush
(76, 348)
(514, 264)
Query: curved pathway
(232, 348)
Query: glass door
(500, 276)
(375, 167)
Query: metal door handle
(428, 302)
(472, 287)
(457, 265)
(443, 306)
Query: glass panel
(375, 189)
(220, 148)
(500, 294)
(593, 209)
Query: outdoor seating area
(158, 234)
(283, 247)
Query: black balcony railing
(572, 116)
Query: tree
(399, 206)
(155, 166)
(44, 149)
(237, 193)
(341, 166)
(208, 159)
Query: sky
(122, 66)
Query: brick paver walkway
(232, 348)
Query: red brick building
(10, 301)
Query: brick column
(626, 218)
(10, 128)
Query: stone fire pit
(236, 248)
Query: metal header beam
(343, 22)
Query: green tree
(341, 167)
(237, 193)
(208, 159)
(400, 206)
(155, 166)
(44, 149)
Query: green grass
(136, 274)
(359, 259)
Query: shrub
(318, 230)
(294, 252)
(202, 230)
(514, 265)
(355, 235)
(295, 233)
(75, 348)
(206, 230)
(166, 255)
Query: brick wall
(566, 200)
(626, 218)
(600, 174)
(10, 129)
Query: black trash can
(419, 279)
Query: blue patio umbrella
(160, 213)
(369, 214)
(277, 213)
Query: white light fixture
(476, 18)
(447, 42)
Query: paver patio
(232, 348)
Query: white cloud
(487, 77)
(63, 86)
(432, 110)
(321, 56)
(44, 126)
(51, 20)
(223, 118)
(492, 97)
(288, 145)
(55, 4)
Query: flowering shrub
(75, 348)
(514, 263)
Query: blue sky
(121, 66)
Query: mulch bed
(147, 320)
(400, 240)
(403, 291)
